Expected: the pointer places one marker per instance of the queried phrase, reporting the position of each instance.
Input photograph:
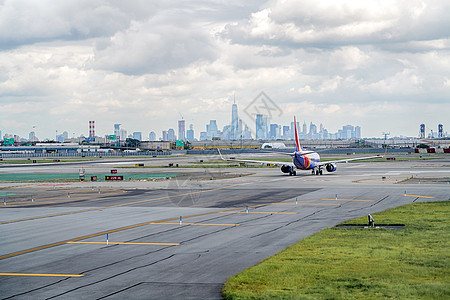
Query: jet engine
(286, 169)
(330, 167)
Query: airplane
(304, 160)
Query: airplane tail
(297, 141)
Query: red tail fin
(297, 142)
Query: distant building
(164, 136)
(286, 132)
(259, 127)
(190, 133)
(152, 136)
(123, 134)
(62, 137)
(440, 130)
(182, 130)
(234, 122)
(348, 132)
(422, 131)
(357, 132)
(203, 136)
(155, 146)
(32, 136)
(117, 130)
(137, 135)
(273, 133)
(171, 135)
(227, 132)
(212, 129)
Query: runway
(181, 237)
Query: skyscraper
(357, 132)
(212, 129)
(137, 135)
(190, 133)
(117, 131)
(122, 134)
(273, 133)
(171, 135)
(260, 127)
(286, 132)
(182, 130)
(152, 136)
(349, 131)
(234, 122)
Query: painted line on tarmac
(125, 243)
(37, 274)
(125, 228)
(417, 196)
(303, 203)
(340, 199)
(260, 212)
(36, 203)
(195, 224)
(120, 205)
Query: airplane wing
(350, 159)
(276, 163)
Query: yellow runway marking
(260, 212)
(119, 205)
(46, 275)
(340, 199)
(428, 197)
(124, 243)
(293, 203)
(112, 231)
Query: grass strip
(358, 263)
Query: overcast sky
(382, 65)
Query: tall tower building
(152, 136)
(234, 121)
(422, 131)
(212, 129)
(260, 127)
(171, 135)
(91, 129)
(117, 130)
(182, 130)
(190, 133)
(440, 130)
(357, 132)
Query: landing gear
(292, 173)
(317, 171)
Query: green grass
(47, 160)
(413, 263)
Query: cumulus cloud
(140, 63)
(336, 23)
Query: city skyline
(235, 130)
(383, 65)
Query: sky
(382, 65)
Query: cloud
(143, 63)
(310, 23)
(155, 46)
(26, 22)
